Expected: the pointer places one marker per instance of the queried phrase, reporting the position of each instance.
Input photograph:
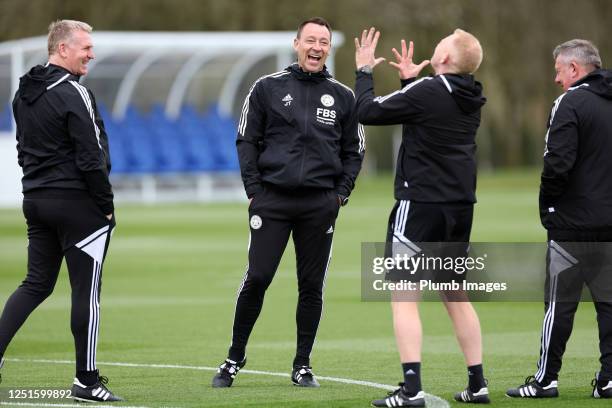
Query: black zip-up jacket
(297, 130)
(440, 114)
(61, 141)
(576, 189)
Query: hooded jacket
(61, 141)
(440, 114)
(300, 130)
(576, 189)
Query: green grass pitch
(168, 298)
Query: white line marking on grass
(433, 401)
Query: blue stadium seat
(222, 136)
(170, 145)
(119, 160)
(6, 118)
(139, 142)
(153, 143)
(104, 112)
(194, 131)
(119, 163)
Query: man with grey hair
(575, 209)
(62, 148)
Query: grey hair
(61, 30)
(583, 52)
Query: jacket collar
(296, 71)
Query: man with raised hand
(576, 210)
(62, 148)
(435, 184)
(300, 149)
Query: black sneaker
(532, 389)
(400, 398)
(302, 376)
(601, 388)
(226, 373)
(1, 364)
(480, 397)
(94, 393)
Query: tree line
(518, 37)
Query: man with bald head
(576, 210)
(435, 185)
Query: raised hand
(364, 52)
(404, 65)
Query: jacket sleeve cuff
(361, 74)
(253, 190)
(107, 208)
(343, 192)
(407, 81)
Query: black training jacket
(576, 184)
(297, 130)
(61, 141)
(440, 115)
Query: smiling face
(75, 53)
(79, 51)
(312, 47)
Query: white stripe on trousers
(329, 256)
(401, 217)
(246, 273)
(547, 326)
(94, 317)
(92, 237)
(94, 297)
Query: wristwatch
(343, 200)
(366, 69)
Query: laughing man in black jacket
(435, 183)
(68, 200)
(300, 149)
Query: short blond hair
(467, 51)
(61, 30)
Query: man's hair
(61, 30)
(583, 52)
(468, 52)
(315, 20)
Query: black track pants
(74, 229)
(575, 259)
(274, 214)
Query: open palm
(365, 51)
(404, 65)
